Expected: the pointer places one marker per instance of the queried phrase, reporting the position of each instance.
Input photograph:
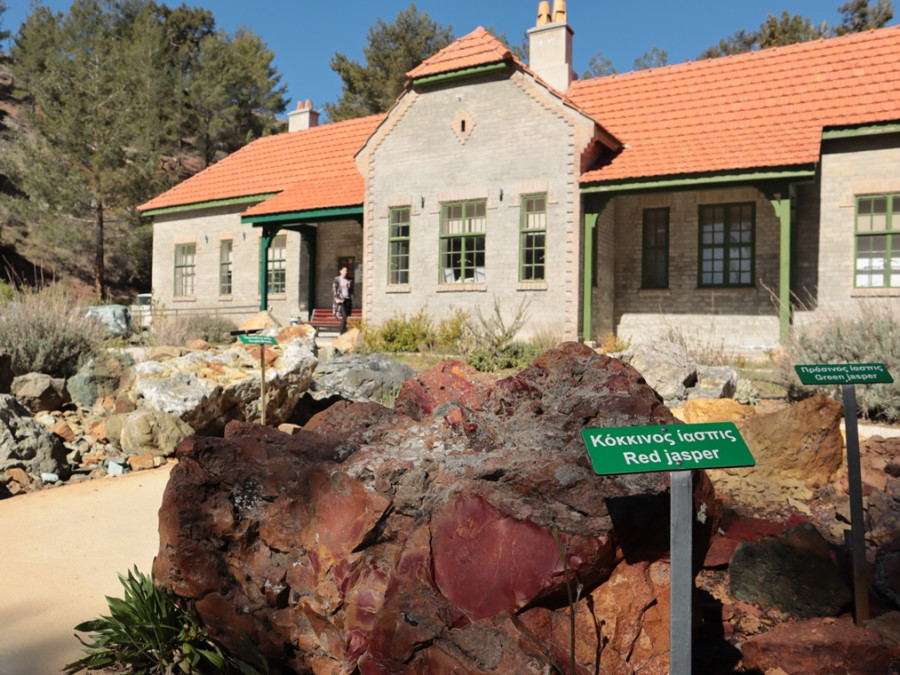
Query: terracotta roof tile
(762, 109)
(322, 155)
(478, 48)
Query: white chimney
(304, 117)
(550, 46)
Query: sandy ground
(60, 552)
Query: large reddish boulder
(454, 533)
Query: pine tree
(393, 50)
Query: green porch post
(587, 292)
(264, 243)
(781, 202)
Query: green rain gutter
(856, 132)
(305, 216)
(210, 204)
(462, 74)
(700, 181)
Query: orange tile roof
(478, 48)
(323, 157)
(763, 109)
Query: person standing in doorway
(341, 290)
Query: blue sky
(305, 35)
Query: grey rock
(152, 431)
(359, 377)
(116, 319)
(676, 377)
(210, 388)
(38, 391)
(793, 573)
(98, 377)
(26, 444)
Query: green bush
(453, 333)
(871, 337)
(401, 334)
(147, 632)
(516, 355)
(44, 334)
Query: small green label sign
(844, 373)
(676, 447)
(257, 340)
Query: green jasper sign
(676, 447)
(844, 373)
(257, 339)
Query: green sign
(844, 373)
(676, 447)
(257, 340)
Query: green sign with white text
(676, 447)
(257, 339)
(844, 373)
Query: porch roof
(756, 110)
(314, 168)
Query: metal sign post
(248, 337)
(848, 375)
(678, 449)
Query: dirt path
(61, 551)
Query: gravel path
(62, 549)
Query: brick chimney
(304, 117)
(550, 46)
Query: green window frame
(533, 238)
(463, 236)
(276, 265)
(655, 248)
(727, 245)
(398, 246)
(225, 251)
(877, 242)
(185, 270)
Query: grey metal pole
(857, 524)
(681, 576)
(262, 381)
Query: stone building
(728, 197)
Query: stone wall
(850, 168)
(738, 317)
(206, 228)
(517, 139)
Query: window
(276, 269)
(727, 245)
(185, 264)
(225, 267)
(655, 249)
(878, 242)
(398, 247)
(463, 226)
(533, 238)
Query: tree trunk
(98, 251)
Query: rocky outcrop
(39, 392)
(442, 536)
(98, 377)
(206, 389)
(359, 377)
(26, 445)
(670, 370)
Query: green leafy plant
(43, 333)
(401, 334)
(148, 633)
(453, 332)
